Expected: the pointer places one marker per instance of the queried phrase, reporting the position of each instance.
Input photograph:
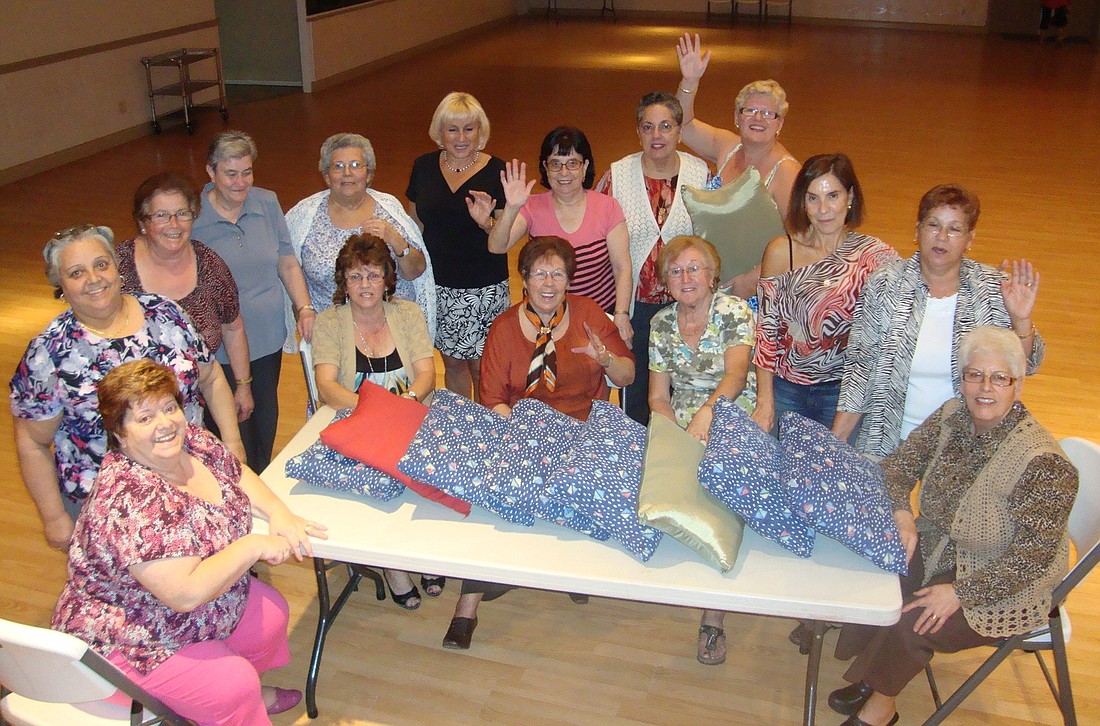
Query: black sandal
(402, 601)
(433, 586)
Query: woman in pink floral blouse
(158, 565)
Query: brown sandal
(712, 645)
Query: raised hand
(517, 190)
(595, 349)
(693, 61)
(1019, 288)
(480, 205)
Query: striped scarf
(544, 362)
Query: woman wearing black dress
(471, 282)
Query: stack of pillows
(607, 479)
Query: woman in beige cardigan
(368, 335)
(990, 543)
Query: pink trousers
(217, 682)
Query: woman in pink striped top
(592, 223)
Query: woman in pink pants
(159, 560)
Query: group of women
(616, 290)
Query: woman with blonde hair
(471, 282)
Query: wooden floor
(1015, 121)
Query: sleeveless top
(716, 180)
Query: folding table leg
(813, 667)
(323, 622)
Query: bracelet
(305, 307)
(1026, 335)
(684, 90)
(622, 312)
(492, 222)
(244, 381)
(407, 251)
(610, 360)
(411, 394)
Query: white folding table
(413, 534)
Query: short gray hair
(346, 141)
(51, 253)
(997, 341)
(230, 145)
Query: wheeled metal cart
(184, 86)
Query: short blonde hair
(228, 145)
(678, 246)
(768, 88)
(459, 106)
(997, 341)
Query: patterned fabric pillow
(602, 476)
(741, 468)
(378, 432)
(321, 466)
(536, 440)
(838, 492)
(672, 500)
(452, 451)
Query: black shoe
(460, 633)
(578, 598)
(856, 721)
(433, 586)
(803, 637)
(403, 599)
(850, 699)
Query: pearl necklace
(459, 170)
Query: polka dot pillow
(741, 468)
(602, 476)
(452, 451)
(535, 441)
(323, 467)
(838, 492)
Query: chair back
(1084, 518)
(45, 665)
(305, 350)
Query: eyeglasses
(648, 128)
(338, 166)
(162, 217)
(999, 379)
(357, 278)
(693, 270)
(934, 228)
(541, 275)
(750, 111)
(557, 164)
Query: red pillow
(378, 433)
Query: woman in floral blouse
(700, 349)
(158, 567)
(53, 391)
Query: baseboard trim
(71, 154)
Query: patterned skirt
(463, 317)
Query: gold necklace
(121, 324)
(459, 170)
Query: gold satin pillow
(740, 219)
(672, 500)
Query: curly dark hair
(363, 249)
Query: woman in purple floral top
(53, 391)
(158, 566)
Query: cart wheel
(190, 128)
(156, 127)
(225, 114)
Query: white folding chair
(1084, 532)
(305, 351)
(53, 678)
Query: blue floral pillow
(741, 468)
(535, 441)
(452, 451)
(323, 467)
(839, 493)
(602, 476)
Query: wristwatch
(411, 394)
(407, 251)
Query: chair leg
(968, 686)
(1061, 668)
(932, 685)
